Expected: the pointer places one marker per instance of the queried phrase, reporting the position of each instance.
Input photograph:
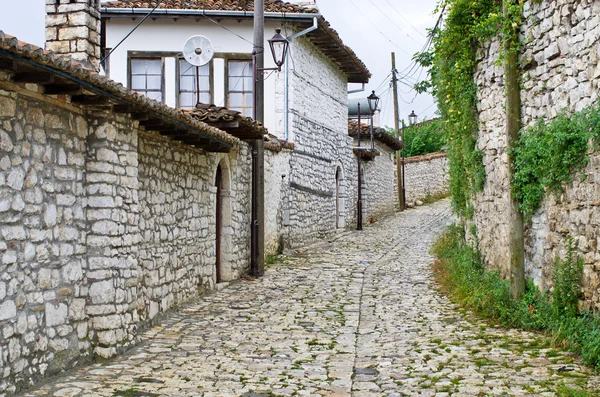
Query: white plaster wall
(169, 35)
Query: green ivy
(451, 65)
(423, 138)
(547, 155)
(459, 270)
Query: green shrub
(423, 138)
(459, 270)
(548, 154)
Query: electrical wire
(231, 31)
(392, 21)
(405, 20)
(130, 32)
(376, 28)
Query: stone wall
(322, 148)
(277, 173)
(103, 227)
(43, 251)
(560, 61)
(425, 176)
(379, 195)
(178, 221)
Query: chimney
(73, 28)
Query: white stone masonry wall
(178, 222)
(43, 321)
(102, 227)
(320, 135)
(379, 194)
(560, 74)
(425, 176)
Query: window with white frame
(239, 86)
(189, 77)
(147, 77)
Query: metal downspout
(286, 91)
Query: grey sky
(372, 28)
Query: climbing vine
(549, 154)
(451, 64)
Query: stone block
(8, 106)
(6, 142)
(8, 310)
(13, 232)
(101, 202)
(16, 178)
(73, 33)
(102, 292)
(56, 314)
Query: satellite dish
(198, 50)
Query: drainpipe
(357, 90)
(286, 93)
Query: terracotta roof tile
(227, 5)
(11, 47)
(241, 126)
(325, 37)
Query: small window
(147, 77)
(188, 91)
(239, 83)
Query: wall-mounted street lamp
(412, 118)
(279, 47)
(373, 103)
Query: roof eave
(358, 73)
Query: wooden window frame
(211, 79)
(138, 55)
(227, 57)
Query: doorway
(219, 222)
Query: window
(187, 97)
(147, 77)
(239, 86)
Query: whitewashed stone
(16, 178)
(102, 292)
(6, 143)
(50, 215)
(13, 232)
(8, 310)
(56, 314)
(18, 204)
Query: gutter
(128, 12)
(286, 117)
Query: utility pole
(399, 158)
(359, 200)
(516, 244)
(257, 252)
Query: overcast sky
(372, 28)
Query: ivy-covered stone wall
(560, 75)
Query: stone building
(115, 207)
(559, 57)
(312, 184)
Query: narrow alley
(356, 316)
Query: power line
(405, 20)
(130, 32)
(376, 28)
(392, 21)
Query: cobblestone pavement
(358, 316)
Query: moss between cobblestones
(459, 271)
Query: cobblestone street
(356, 316)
